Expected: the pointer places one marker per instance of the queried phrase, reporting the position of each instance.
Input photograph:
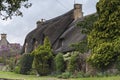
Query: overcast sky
(17, 28)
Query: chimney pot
(78, 11)
(39, 23)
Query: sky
(18, 27)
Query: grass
(11, 75)
(100, 78)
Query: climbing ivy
(85, 27)
(104, 38)
(87, 24)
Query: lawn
(11, 75)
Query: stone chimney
(3, 36)
(78, 11)
(39, 23)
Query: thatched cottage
(61, 31)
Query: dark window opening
(60, 43)
(43, 37)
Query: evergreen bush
(43, 58)
(1, 60)
(59, 63)
(26, 63)
(73, 63)
(11, 63)
(104, 38)
(65, 75)
(117, 64)
(17, 69)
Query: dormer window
(60, 43)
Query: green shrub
(80, 46)
(11, 63)
(73, 63)
(118, 63)
(26, 63)
(87, 74)
(99, 74)
(1, 60)
(17, 69)
(59, 63)
(104, 38)
(80, 75)
(41, 68)
(43, 58)
(104, 74)
(65, 75)
(32, 72)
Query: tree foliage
(59, 63)
(85, 27)
(104, 38)
(9, 8)
(43, 58)
(81, 47)
(74, 63)
(25, 63)
(117, 63)
(87, 24)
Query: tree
(87, 24)
(74, 63)
(117, 63)
(104, 38)
(9, 8)
(43, 58)
(59, 63)
(81, 46)
(25, 63)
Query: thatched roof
(61, 31)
